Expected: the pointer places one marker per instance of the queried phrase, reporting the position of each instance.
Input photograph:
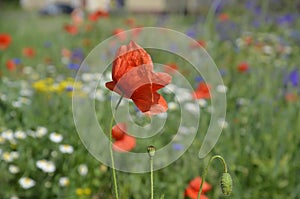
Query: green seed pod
(226, 184)
(151, 151)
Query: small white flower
(20, 135)
(183, 94)
(65, 148)
(3, 97)
(55, 137)
(46, 166)
(26, 92)
(221, 89)
(13, 169)
(14, 197)
(7, 157)
(8, 135)
(170, 88)
(28, 70)
(41, 131)
(64, 181)
(24, 100)
(83, 169)
(192, 108)
(173, 106)
(2, 140)
(16, 104)
(26, 183)
(202, 102)
(222, 123)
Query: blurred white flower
(222, 123)
(24, 100)
(26, 92)
(202, 102)
(26, 182)
(20, 135)
(65, 148)
(8, 135)
(10, 156)
(268, 50)
(170, 88)
(14, 197)
(16, 104)
(183, 94)
(46, 166)
(221, 89)
(13, 169)
(55, 137)
(64, 181)
(2, 140)
(41, 131)
(83, 169)
(86, 77)
(3, 97)
(172, 106)
(98, 95)
(192, 108)
(27, 70)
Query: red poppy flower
(134, 78)
(71, 29)
(202, 92)
(194, 187)
(243, 67)
(11, 65)
(119, 32)
(5, 41)
(223, 17)
(28, 52)
(123, 141)
(97, 15)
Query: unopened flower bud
(226, 184)
(151, 151)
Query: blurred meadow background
(255, 45)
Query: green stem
(151, 176)
(111, 150)
(206, 169)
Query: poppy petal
(127, 143)
(118, 131)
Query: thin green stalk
(151, 152)
(206, 169)
(151, 176)
(111, 150)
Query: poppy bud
(226, 184)
(151, 151)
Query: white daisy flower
(192, 108)
(64, 181)
(13, 169)
(83, 169)
(55, 137)
(8, 135)
(20, 135)
(41, 131)
(7, 157)
(65, 148)
(16, 104)
(26, 183)
(46, 166)
(221, 89)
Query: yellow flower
(87, 191)
(79, 191)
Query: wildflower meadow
(116, 104)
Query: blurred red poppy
(134, 78)
(223, 17)
(97, 15)
(194, 187)
(201, 43)
(5, 41)
(11, 65)
(130, 22)
(28, 52)
(123, 142)
(243, 67)
(202, 91)
(119, 32)
(71, 29)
